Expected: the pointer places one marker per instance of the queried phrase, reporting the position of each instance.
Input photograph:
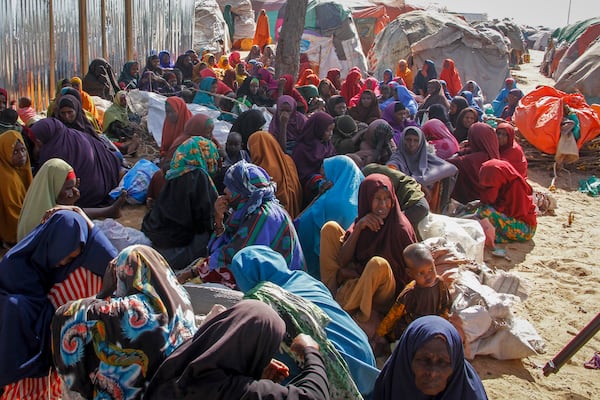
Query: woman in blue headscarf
(472, 103)
(62, 259)
(345, 178)
(429, 343)
(256, 217)
(402, 95)
(204, 97)
(165, 59)
(256, 264)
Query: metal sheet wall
(25, 39)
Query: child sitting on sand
(426, 294)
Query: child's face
(233, 145)
(423, 272)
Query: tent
(583, 75)
(480, 55)
(209, 26)
(576, 49)
(513, 33)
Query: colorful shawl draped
(196, 152)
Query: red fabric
(290, 90)
(302, 78)
(450, 75)
(512, 151)
(334, 75)
(369, 84)
(505, 189)
(351, 85)
(171, 130)
(539, 115)
(70, 175)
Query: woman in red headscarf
(285, 87)
(351, 85)
(334, 75)
(450, 75)
(510, 149)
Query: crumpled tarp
(540, 112)
(583, 75)
(590, 186)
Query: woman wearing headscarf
(424, 75)
(313, 146)
(375, 144)
(404, 96)
(483, 146)
(398, 117)
(507, 202)
(326, 89)
(176, 115)
(247, 123)
(405, 73)
(346, 135)
(256, 218)
(388, 76)
(69, 112)
(234, 59)
(344, 178)
(466, 118)
(97, 167)
(367, 109)
(267, 154)
(471, 101)
(15, 175)
(97, 340)
(165, 59)
(256, 264)
(435, 95)
(287, 124)
(428, 343)
(476, 91)
(285, 87)
(351, 85)
(336, 106)
(512, 101)
(439, 112)
(62, 259)
(369, 84)
(262, 34)
(501, 99)
(250, 93)
(363, 266)
(457, 104)
(510, 149)
(184, 64)
(334, 75)
(436, 176)
(100, 80)
(87, 103)
(253, 54)
(230, 357)
(411, 198)
(438, 134)
(228, 16)
(450, 75)
(117, 126)
(130, 76)
(204, 97)
(268, 56)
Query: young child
(426, 294)
(233, 149)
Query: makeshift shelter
(209, 26)
(576, 49)
(538, 40)
(583, 75)
(539, 115)
(480, 55)
(514, 35)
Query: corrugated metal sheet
(25, 39)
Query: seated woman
(69, 112)
(502, 98)
(465, 119)
(367, 109)
(363, 266)
(375, 144)
(410, 197)
(87, 103)
(287, 123)
(436, 176)
(15, 175)
(476, 91)
(285, 87)
(346, 135)
(256, 218)
(100, 80)
(435, 95)
(251, 94)
(179, 223)
(267, 154)
(313, 146)
(398, 117)
(472, 103)
(514, 95)
(351, 85)
(510, 149)
(120, 348)
(130, 75)
(207, 88)
(438, 134)
(55, 184)
(507, 202)
(117, 126)
(336, 106)
(483, 146)
(256, 264)
(230, 357)
(439, 112)
(429, 343)
(247, 123)
(62, 259)
(371, 84)
(457, 104)
(343, 178)
(97, 167)
(451, 76)
(424, 75)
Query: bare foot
(114, 210)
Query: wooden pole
(83, 37)
(129, 29)
(51, 51)
(103, 29)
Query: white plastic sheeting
(244, 20)
(209, 26)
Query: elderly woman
(98, 340)
(429, 362)
(230, 357)
(100, 80)
(256, 218)
(363, 266)
(117, 126)
(343, 179)
(15, 175)
(436, 176)
(256, 264)
(61, 260)
(97, 167)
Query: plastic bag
(136, 182)
(567, 151)
(121, 236)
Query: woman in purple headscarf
(287, 123)
(397, 116)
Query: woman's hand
(370, 221)
(300, 343)
(221, 208)
(276, 371)
(109, 281)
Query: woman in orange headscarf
(262, 35)
(405, 73)
(450, 75)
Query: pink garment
(26, 114)
(438, 134)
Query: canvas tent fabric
(244, 20)
(583, 75)
(539, 114)
(514, 35)
(209, 26)
(480, 55)
(577, 48)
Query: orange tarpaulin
(539, 115)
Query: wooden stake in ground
(287, 58)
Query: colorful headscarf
(196, 152)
